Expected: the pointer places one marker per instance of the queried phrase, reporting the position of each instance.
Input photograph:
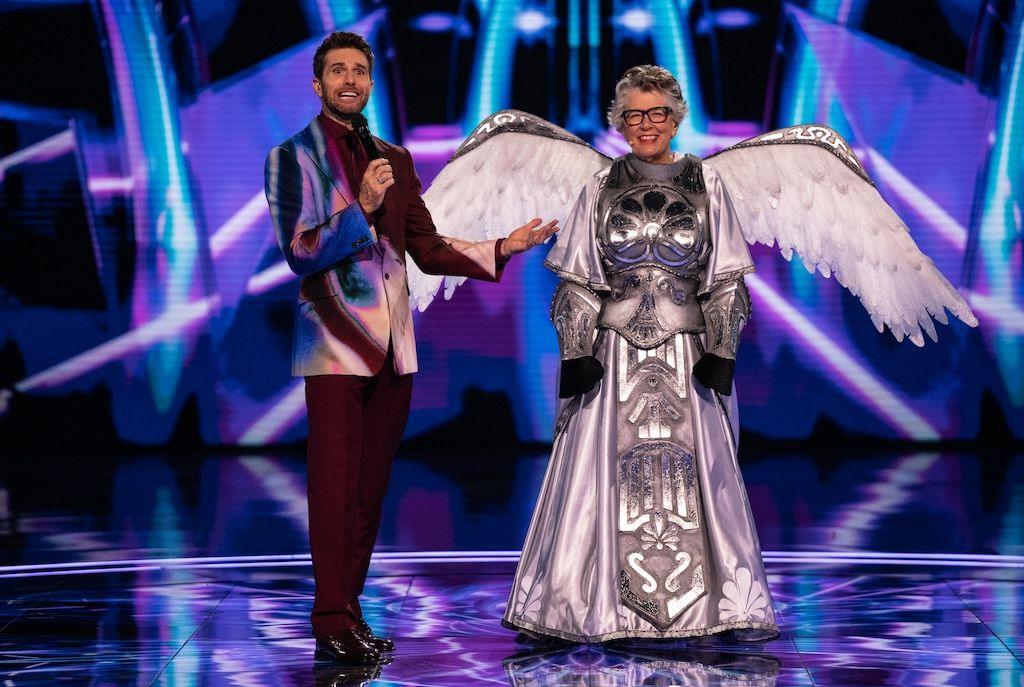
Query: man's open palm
(528, 236)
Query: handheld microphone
(362, 129)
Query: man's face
(345, 85)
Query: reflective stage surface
(886, 570)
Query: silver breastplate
(654, 244)
(644, 223)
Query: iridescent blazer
(353, 294)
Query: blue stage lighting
(673, 49)
(999, 227)
(532, 21)
(491, 83)
(636, 20)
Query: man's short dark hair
(340, 39)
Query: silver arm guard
(574, 312)
(726, 310)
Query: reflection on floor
(849, 625)
(886, 570)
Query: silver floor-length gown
(643, 527)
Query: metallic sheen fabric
(642, 527)
(514, 121)
(651, 223)
(648, 305)
(808, 134)
(569, 580)
(660, 540)
(726, 311)
(574, 313)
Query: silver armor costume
(726, 311)
(642, 527)
(574, 312)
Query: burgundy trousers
(355, 426)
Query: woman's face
(649, 141)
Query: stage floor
(192, 570)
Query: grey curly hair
(650, 78)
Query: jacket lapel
(314, 143)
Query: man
(345, 223)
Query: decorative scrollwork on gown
(659, 538)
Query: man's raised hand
(528, 236)
(377, 179)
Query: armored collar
(690, 177)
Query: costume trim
(516, 121)
(651, 263)
(724, 278)
(647, 634)
(807, 134)
(629, 336)
(576, 279)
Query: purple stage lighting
(728, 18)
(442, 22)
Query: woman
(642, 527)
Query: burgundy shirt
(354, 161)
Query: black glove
(715, 372)
(579, 375)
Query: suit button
(387, 276)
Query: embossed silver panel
(653, 224)
(660, 543)
(515, 121)
(574, 313)
(648, 305)
(726, 311)
(807, 134)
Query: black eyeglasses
(657, 115)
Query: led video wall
(145, 301)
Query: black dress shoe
(381, 644)
(347, 648)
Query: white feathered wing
(803, 189)
(512, 168)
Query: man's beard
(339, 113)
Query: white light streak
(998, 309)
(239, 223)
(98, 185)
(169, 324)
(44, 150)
(282, 415)
(940, 220)
(847, 558)
(878, 397)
